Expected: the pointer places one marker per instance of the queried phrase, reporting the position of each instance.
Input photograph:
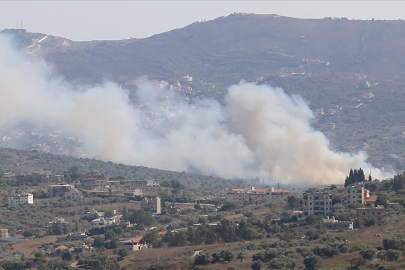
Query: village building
(57, 222)
(24, 198)
(375, 213)
(94, 214)
(274, 195)
(63, 190)
(236, 195)
(36, 178)
(133, 244)
(141, 183)
(316, 203)
(333, 224)
(101, 223)
(153, 203)
(72, 195)
(92, 180)
(253, 200)
(134, 192)
(256, 192)
(4, 233)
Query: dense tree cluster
(355, 176)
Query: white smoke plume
(261, 131)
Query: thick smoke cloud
(260, 132)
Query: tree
(125, 213)
(98, 241)
(368, 254)
(122, 253)
(393, 255)
(151, 238)
(293, 202)
(197, 206)
(256, 265)
(141, 217)
(370, 221)
(241, 256)
(202, 259)
(227, 255)
(108, 213)
(27, 233)
(312, 262)
(229, 206)
(66, 255)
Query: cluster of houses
(316, 202)
(90, 181)
(256, 196)
(320, 203)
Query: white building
(24, 198)
(274, 195)
(152, 183)
(4, 233)
(100, 223)
(236, 195)
(333, 224)
(316, 203)
(357, 194)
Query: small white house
(24, 198)
(152, 183)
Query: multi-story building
(316, 203)
(356, 194)
(59, 190)
(376, 213)
(273, 195)
(333, 224)
(92, 180)
(58, 222)
(257, 193)
(72, 195)
(66, 191)
(24, 198)
(153, 203)
(235, 195)
(33, 179)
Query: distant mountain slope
(241, 46)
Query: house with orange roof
(133, 244)
(273, 195)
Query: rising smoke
(261, 131)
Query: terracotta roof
(260, 190)
(162, 233)
(281, 191)
(136, 240)
(328, 220)
(237, 190)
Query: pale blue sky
(95, 20)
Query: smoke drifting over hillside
(260, 132)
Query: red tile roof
(136, 240)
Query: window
(364, 213)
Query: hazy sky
(95, 20)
